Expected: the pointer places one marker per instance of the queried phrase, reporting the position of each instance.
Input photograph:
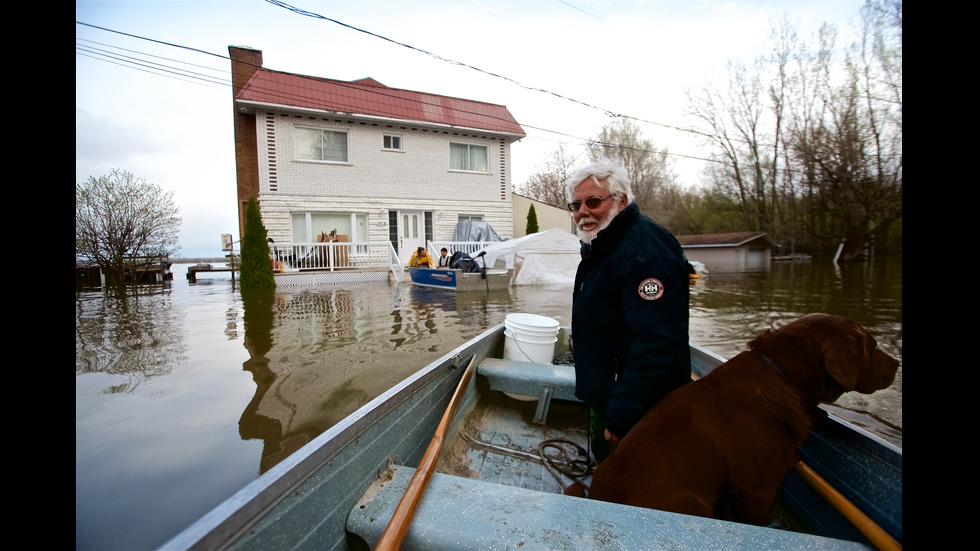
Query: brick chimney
(245, 62)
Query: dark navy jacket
(630, 319)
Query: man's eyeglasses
(591, 202)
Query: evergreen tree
(532, 221)
(256, 265)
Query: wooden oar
(401, 519)
(876, 534)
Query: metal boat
(447, 460)
(458, 280)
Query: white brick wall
(375, 181)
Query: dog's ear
(841, 364)
(845, 358)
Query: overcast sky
(153, 95)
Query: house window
(307, 225)
(471, 217)
(392, 142)
(317, 144)
(463, 156)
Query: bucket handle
(518, 343)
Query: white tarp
(545, 258)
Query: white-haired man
(629, 306)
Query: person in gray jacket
(629, 305)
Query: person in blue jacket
(629, 306)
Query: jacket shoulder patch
(651, 289)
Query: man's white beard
(590, 235)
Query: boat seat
(544, 381)
(461, 513)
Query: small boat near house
(490, 477)
(463, 274)
(459, 280)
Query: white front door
(411, 233)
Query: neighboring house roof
(540, 202)
(732, 239)
(371, 99)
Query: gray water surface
(186, 392)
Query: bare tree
(119, 217)
(880, 77)
(853, 151)
(810, 144)
(745, 124)
(649, 168)
(548, 184)
(808, 111)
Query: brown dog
(721, 446)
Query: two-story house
(366, 161)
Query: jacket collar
(607, 239)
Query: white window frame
(468, 157)
(358, 250)
(395, 141)
(299, 149)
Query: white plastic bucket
(530, 338)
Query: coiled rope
(575, 466)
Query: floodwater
(186, 392)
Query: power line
(132, 66)
(205, 52)
(150, 55)
(164, 70)
(583, 11)
(149, 66)
(426, 52)
(603, 110)
(284, 96)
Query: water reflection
(158, 385)
(132, 333)
(318, 354)
(185, 392)
(727, 309)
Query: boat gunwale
(854, 434)
(862, 441)
(227, 522)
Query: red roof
(370, 97)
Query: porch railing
(330, 256)
(468, 247)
